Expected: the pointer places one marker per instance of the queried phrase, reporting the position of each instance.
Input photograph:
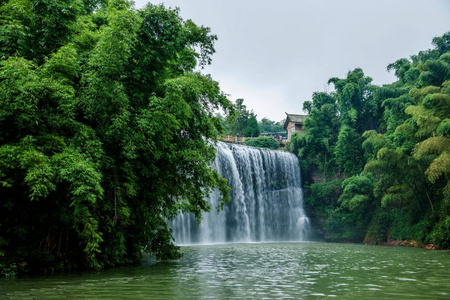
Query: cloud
(276, 54)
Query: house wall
(299, 128)
(291, 128)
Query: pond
(257, 271)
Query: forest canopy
(107, 131)
(376, 159)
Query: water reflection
(258, 271)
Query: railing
(232, 139)
(241, 139)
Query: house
(294, 123)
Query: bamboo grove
(376, 159)
(107, 131)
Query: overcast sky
(275, 54)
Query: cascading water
(266, 200)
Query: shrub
(263, 142)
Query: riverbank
(318, 233)
(411, 244)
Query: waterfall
(266, 200)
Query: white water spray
(266, 200)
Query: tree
(348, 151)
(33, 29)
(354, 96)
(269, 126)
(410, 163)
(243, 121)
(350, 220)
(389, 145)
(107, 132)
(252, 128)
(315, 146)
(266, 125)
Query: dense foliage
(242, 121)
(270, 127)
(377, 159)
(106, 131)
(263, 142)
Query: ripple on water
(257, 271)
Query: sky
(276, 54)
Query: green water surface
(257, 271)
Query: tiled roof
(296, 119)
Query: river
(257, 271)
